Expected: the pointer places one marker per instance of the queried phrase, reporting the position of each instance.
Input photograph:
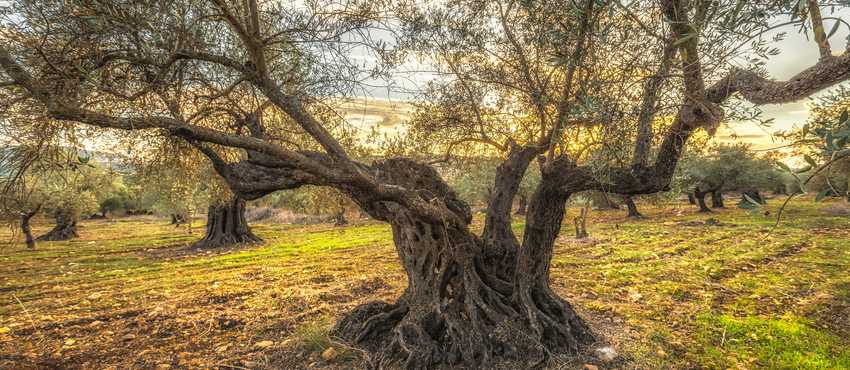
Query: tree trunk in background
(25, 226)
(717, 199)
(66, 228)
(339, 217)
(177, 219)
(700, 195)
(692, 199)
(226, 226)
(633, 211)
(752, 194)
(523, 204)
(581, 223)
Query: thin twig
(779, 214)
(25, 311)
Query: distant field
(130, 293)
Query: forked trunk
(227, 226)
(700, 193)
(456, 308)
(717, 199)
(633, 211)
(66, 228)
(25, 226)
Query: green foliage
(472, 178)
(311, 200)
(736, 166)
(65, 183)
(822, 142)
(119, 199)
(173, 187)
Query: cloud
(384, 113)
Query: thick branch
(647, 108)
(826, 72)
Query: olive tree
(559, 83)
(731, 167)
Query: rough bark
(25, 226)
(226, 226)
(455, 310)
(66, 228)
(692, 200)
(633, 211)
(717, 199)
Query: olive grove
(600, 95)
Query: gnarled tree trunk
(25, 226)
(66, 228)
(226, 226)
(692, 200)
(700, 196)
(633, 211)
(717, 199)
(701, 193)
(464, 303)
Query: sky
(796, 54)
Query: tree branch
(817, 26)
(759, 90)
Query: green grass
(787, 288)
(732, 296)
